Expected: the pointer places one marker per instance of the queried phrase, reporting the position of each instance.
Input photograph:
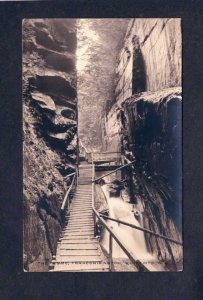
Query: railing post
(68, 203)
(94, 217)
(110, 251)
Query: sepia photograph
(102, 145)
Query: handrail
(130, 255)
(112, 234)
(106, 152)
(64, 204)
(114, 171)
(69, 175)
(143, 229)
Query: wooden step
(79, 268)
(82, 232)
(85, 172)
(82, 197)
(84, 227)
(75, 227)
(81, 222)
(81, 218)
(79, 242)
(76, 214)
(78, 217)
(75, 259)
(79, 234)
(82, 194)
(81, 228)
(79, 247)
(77, 252)
(85, 166)
(81, 209)
(81, 206)
(90, 212)
(83, 188)
(86, 179)
(90, 231)
(82, 201)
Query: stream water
(133, 239)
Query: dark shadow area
(139, 73)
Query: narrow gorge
(104, 86)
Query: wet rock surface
(151, 134)
(50, 128)
(147, 128)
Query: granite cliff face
(150, 59)
(143, 121)
(151, 134)
(49, 127)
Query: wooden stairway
(78, 250)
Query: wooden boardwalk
(78, 249)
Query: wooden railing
(112, 235)
(117, 169)
(67, 198)
(98, 157)
(144, 230)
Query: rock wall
(49, 128)
(151, 134)
(150, 59)
(149, 127)
(143, 121)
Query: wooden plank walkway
(78, 249)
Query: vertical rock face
(151, 57)
(49, 127)
(144, 122)
(99, 41)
